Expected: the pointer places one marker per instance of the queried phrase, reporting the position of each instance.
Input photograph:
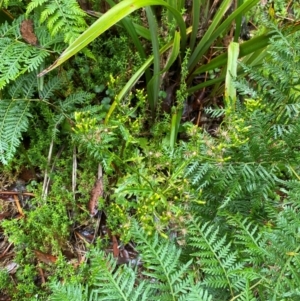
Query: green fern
(7, 3)
(115, 283)
(283, 248)
(68, 293)
(16, 105)
(161, 262)
(247, 295)
(61, 16)
(256, 145)
(164, 276)
(249, 239)
(14, 121)
(223, 270)
(17, 57)
(15, 114)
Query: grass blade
(230, 90)
(110, 18)
(154, 85)
(213, 31)
(195, 26)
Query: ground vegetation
(149, 150)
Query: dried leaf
(46, 258)
(116, 250)
(96, 193)
(27, 32)
(17, 201)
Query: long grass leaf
(154, 85)
(172, 57)
(213, 31)
(245, 49)
(110, 18)
(196, 19)
(126, 22)
(175, 51)
(132, 32)
(230, 90)
(140, 30)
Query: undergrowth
(212, 217)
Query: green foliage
(61, 16)
(230, 201)
(14, 113)
(18, 57)
(16, 109)
(5, 284)
(283, 251)
(256, 144)
(165, 277)
(249, 262)
(44, 228)
(213, 32)
(148, 174)
(68, 293)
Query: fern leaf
(248, 236)
(116, 283)
(70, 292)
(219, 263)
(13, 121)
(61, 16)
(69, 104)
(283, 256)
(197, 293)
(247, 294)
(161, 262)
(54, 84)
(17, 57)
(14, 114)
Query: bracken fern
(61, 16)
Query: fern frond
(61, 16)
(161, 262)
(70, 292)
(283, 256)
(54, 84)
(197, 293)
(15, 114)
(116, 283)
(249, 238)
(247, 294)
(23, 88)
(218, 262)
(69, 104)
(14, 117)
(17, 57)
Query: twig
(16, 193)
(18, 205)
(74, 171)
(52, 168)
(42, 275)
(5, 251)
(100, 174)
(45, 186)
(95, 194)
